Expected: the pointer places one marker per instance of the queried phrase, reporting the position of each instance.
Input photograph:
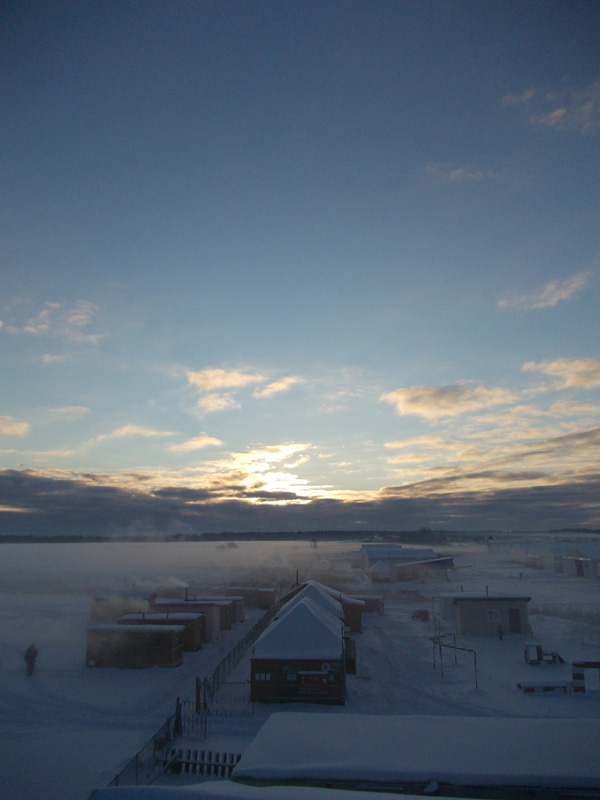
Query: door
(514, 620)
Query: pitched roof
(322, 599)
(305, 632)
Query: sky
(299, 265)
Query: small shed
(372, 602)
(477, 615)
(134, 646)
(392, 554)
(254, 596)
(233, 607)
(300, 658)
(194, 624)
(210, 610)
(436, 568)
(582, 561)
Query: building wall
(285, 681)
(134, 650)
(482, 617)
(353, 616)
(580, 567)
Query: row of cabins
(305, 652)
(138, 630)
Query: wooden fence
(190, 717)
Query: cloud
(215, 403)
(212, 378)
(68, 503)
(446, 172)
(276, 387)
(69, 411)
(130, 431)
(563, 109)
(517, 99)
(581, 373)
(197, 443)
(10, 427)
(555, 119)
(68, 324)
(434, 402)
(48, 358)
(549, 295)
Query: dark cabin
(134, 646)
(300, 658)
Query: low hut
(477, 615)
(582, 561)
(134, 646)
(436, 568)
(210, 610)
(236, 602)
(194, 624)
(255, 597)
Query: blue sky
(297, 265)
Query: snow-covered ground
(68, 728)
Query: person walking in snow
(30, 657)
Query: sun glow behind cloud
(328, 307)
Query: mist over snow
(69, 728)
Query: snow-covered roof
(229, 790)
(305, 632)
(115, 627)
(428, 562)
(318, 596)
(183, 604)
(335, 593)
(155, 616)
(328, 590)
(467, 751)
(396, 551)
(478, 597)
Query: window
(493, 615)
(262, 676)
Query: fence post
(177, 728)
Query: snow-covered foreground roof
(228, 790)
(464, 751)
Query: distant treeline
(421, 536)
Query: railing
(206, 688)
(190, 716)
(148, 764)
(193, 761)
